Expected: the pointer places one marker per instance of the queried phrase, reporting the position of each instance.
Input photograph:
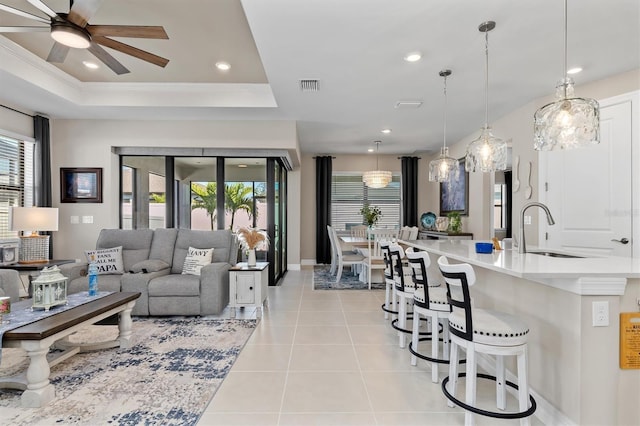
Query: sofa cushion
(147, 266)
(108, 261)
(175, 285)
(164, 240)
(195, 260)
(221, 241)
(136, 244)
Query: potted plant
(455, 222)
(252, 239)
(370, 215)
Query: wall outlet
(527, 220)
(600, 314)
(75, 220)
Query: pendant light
(486, 153)
(377, 178)
(569, 122)
(440, 169)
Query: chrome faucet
(522, 248)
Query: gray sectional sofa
(156, 258)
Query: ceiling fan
(72, 30)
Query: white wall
(88, 143)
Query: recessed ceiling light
(370, 150)
(575, 70)
(90, 65)
(223, 66)
(413, 57)
(386, 131)
(242, 166)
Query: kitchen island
(573, 366)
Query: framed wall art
(80, 185)
(454, 195)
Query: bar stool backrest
(419, 262)
(386, 255)
(397, 254)
(459, 277)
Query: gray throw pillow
(146, 266)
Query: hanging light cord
(486, 79)
(444, 137)
(377, 151)
(564, 73)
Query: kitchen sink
(556, 254)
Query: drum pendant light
(377, 178)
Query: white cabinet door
(589, 190)
(245, 288)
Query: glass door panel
(196, 192)
(143, 192)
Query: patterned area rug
(167, 377)
(323, 280)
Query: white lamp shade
(33, 219)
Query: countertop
(587, 276)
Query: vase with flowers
(252, 239)
(370, 215)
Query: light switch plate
(75, 220)
(87, 219)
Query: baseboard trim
(293, 266)
(308, 262)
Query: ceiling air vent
(309, 85)
(408, 104)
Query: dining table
(360, 245)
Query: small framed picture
(454, 194)
(80, 185)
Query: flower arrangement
(252, 238)
(370, 214)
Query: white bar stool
(430, 301)
(483, 331)
(404, 289)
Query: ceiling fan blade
(23, 14)
(58, 53)
(43, 7)
(130, 50)
(133, 31)
(82, 11)
(107, 59)
(24, 29)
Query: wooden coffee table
(38, 337)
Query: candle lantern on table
(49, 289)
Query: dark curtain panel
(42, 168)
(508, 183)
(410, 191)
(323, 208)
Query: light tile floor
(330, 358)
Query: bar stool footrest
(428, 358)
(384, 308)
(476, 410)
(394, 324)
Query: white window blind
(349, 194)
(16, 179)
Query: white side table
(248, 286)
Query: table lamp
(34, 248)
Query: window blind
(16, 179)
(349, 194)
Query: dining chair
(375, 255)
(359, 231)
(344, 258)
(408, 233)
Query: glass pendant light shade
(377, 178)
(441, 168)
(487, 153)
(569, 122)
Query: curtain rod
(15, 110)
(409, 156)
(323, 156)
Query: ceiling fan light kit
(72, 30)
(70, 35)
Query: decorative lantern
(49, 289)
